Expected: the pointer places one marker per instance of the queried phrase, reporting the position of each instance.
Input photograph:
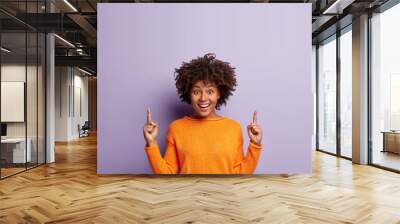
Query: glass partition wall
(346, 75)
(385, 89)
(22, 88)
(334, 89)
(327, 95)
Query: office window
(385, 88)
(327, 95)
(346, 93)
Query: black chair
(84, 130)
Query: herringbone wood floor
(70, 191)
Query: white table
(18, 145)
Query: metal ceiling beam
(49, 22)
(338, 24)
(9, 15)
(337, 6)
(86, 26)
(320, 22)
(82, 61)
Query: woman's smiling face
(204, 97)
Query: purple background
(140, 45)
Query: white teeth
(204, 105)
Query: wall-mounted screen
(12, 101)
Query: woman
(205, 142)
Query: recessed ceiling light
(70, 5)
(84, 71)
(64, 40)
(5, 50)
(337, 7)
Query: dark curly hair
(208, 69)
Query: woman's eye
(210, 92)
(196, 92)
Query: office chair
(84, 130)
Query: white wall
(12, 73)
(33, 127)
(71, 102)
(16, 72)
(80, 83)
(62, 81)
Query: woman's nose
(203, 97)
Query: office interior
(37, 112)
(49, 92)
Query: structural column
(360, 90)
(50, 92)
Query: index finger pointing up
(255, 117)
(149, 119)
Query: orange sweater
(211, 146)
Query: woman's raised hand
(150, 130)
(254, 131)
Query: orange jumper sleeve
(167, 165)
(247, 164)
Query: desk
(15, 148)
(391, 141)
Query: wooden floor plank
(70, 191)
